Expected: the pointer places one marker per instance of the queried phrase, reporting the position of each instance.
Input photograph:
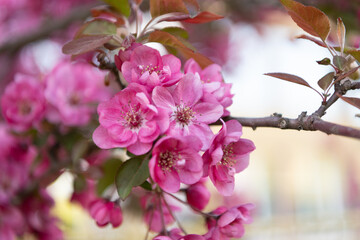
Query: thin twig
(46, 30)
(174, 217)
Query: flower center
(24, 108)
(183, 115)
(228, 156)
(149, 68)
(168, 160)
(133, 118)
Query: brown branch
(47, 28)
(303, 122)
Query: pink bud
(198, 195)
(105, 212)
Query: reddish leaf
(106, 11)
(324, 61)
(326, 80)
(204, 17)
(96, 27)
(160, 7)
(310, 19)
(290, 78)
(351, 100)
(341, 33)
(320, 43)
(85, 44)
(169, 40)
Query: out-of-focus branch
(46, 29)
(303, 122)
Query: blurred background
(306, 185)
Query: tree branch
(47, 28)
(303, 122)
(340, 89)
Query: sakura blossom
(130, 120)
(23, 103)
(188, 114)
(228, 154)
(176, 160)
(148, 68)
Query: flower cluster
(164, 116)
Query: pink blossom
(175, 234)
(198, 195)
(154, 213)
(229, 223)
(214, 88)
(16, 157)
(11, 222)
(148, 68)
(105, 212)
(73, 89)
(227, 155)
(130, 120)
(176, 160)
(124, 55)
(86, 196)
(23, 102)
(188, 115)
(40, 222)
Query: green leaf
(96, 27)
(110, 168)
(169, 40)
(339, 62)
(122, 6)
(177, 31)
(146, 185)
(326, 80)
(132, 173)
(310, 19)
(85, 44)
(289, 78)
(325, 61)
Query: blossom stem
(185, 203)
(162, 215)
(173, 216)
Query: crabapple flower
(148, 68)
(175, 234)
(130, 120)
(188, 115)
(176, 160)
(214, 88)
(198, 195)
(73, 89)
(105, 212)
(23, 102)
(227, 155)
(229, 223)
(124, 54)
(11, 222)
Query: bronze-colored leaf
(340, 62)
(326, 80)
(310, 19)
(341, 31)
(160, 7)
(169, 40)
(324, 61)
(85, 44)
(204, 17)
(289, 78)
(307, 37)
(351, 100)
